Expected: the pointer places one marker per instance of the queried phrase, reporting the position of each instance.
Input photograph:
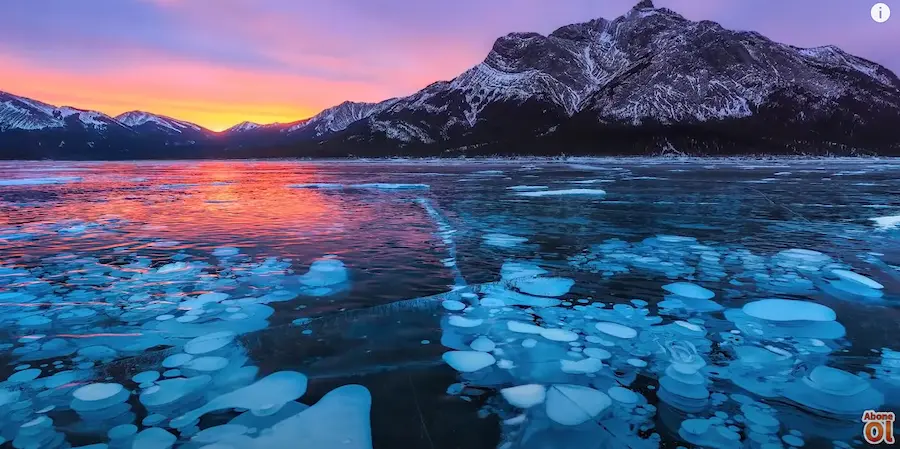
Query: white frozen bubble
(453, 305)
(887, 222)
(835, 391)
(38, 181)
(98, 396)
(209, 342)
(503, 240)
(858, 278)
(325, 272)
(512, 270)
(799, 256)
(176, 360)
(26, 375)
(483, 344)
(339, 420)
(564, 192)
(207, 364)
(616, 330)
(788, 310)
(637, 363)
(525, 396)
(571, 405)
(689, 326)
(562, 335)
(689, 290)
(468, 361)
(623, 395)
(145, 377)
(269, 393)
(461, 321)
(97, 392)
(523, 328)
(597, 353)
(527, 188)
(583, 366)
(226, 251)
(544, 286)
(169, 391)
(173, 267)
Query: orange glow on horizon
(212, 96)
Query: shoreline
(542, 159)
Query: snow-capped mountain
(33, 129)
(20, 113)
(145, 122)
(337, 118)
(243, 127)
(648, 81)
(648, 68)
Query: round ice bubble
(788, 310)
(689, 290)
(453, 305)
(834, 381)
(571, 405)
(623, 395)
(544, 286)
(858, 278)
(146, 376)
(97, 392)
(616, 330)
(209, 342)
(483, 344)
(525, 396)
(468, 361)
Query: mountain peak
(243, 126)
(644, 4)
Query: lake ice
(446, 304)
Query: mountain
(243, 127)
(30, 129)
(146, 123)
(337, 118)
(20, 113)
(648, 82)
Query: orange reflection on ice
(205, 203)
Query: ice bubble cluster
(89, 347)
(579, 362)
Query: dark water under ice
(280, 282)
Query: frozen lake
(527, 304)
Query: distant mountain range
(648, 82)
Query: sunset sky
(219, 62)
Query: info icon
(881, 12)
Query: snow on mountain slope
(134, 119)
(338, 118)
(89, 119)
(20, 113)
(243, 127)
(649, 65)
